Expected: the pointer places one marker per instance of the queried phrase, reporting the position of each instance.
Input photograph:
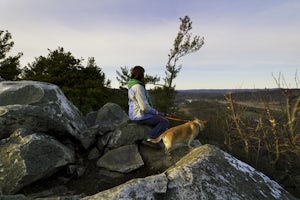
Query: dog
(184, 133)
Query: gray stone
(91, 118)
(205, 173)
(111, 113)
(76, 170)
(89, 136)
(105, 173)
(102, 141)
(29, 117)
(128, 134)
(26, 157)
(125, 134)
(123, 159)
(13, 197)
(94, 153)
(148, 188)
(56, 193)
(209, 173)
(38, 106)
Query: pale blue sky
(246, 41)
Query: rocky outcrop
(110, 127)
(123, 159)
(40, 107)
(111, 113)
(41, 133)
(205, 173)
(151, 187)
(26, 157)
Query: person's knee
(165, 122)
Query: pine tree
(84, 86)
(9, 65)
(183, 45)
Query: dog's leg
(192, 137)
(167, 152)
(190, 142)
(168, 146)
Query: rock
(111, 113)
(94, 153)
(205, 173)
(76, 170)
(91, 118)
(89, 136)
(103, 141)
(41, 115)
(13, 197)
(142, 188)
(59, 192)
(26, 157)
(156, 160)
(110, 174)
(37, 106)
(196, 143)
(123, 159)
(112, 129)
(128, 134)
(209, 173)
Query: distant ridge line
(225, 90)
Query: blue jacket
(138, 101)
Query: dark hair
(138, 73)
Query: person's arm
(143, 101)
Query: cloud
(244, 37)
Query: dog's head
(201, 123)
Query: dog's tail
(156, 140)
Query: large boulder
(110, 127)
(149, 188)
(111, 113)
(123, 159)
(128, 134)
(91, 134)
(210, 173)
(205, 173)
(41, 107)
(26, 157)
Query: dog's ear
(204, 121)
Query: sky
(249, 44)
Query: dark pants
(159, 124)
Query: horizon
(232, 89)
(247, 43)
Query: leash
(176, 119)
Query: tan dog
(183, 133)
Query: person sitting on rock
(140, 106)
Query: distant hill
(208, 93)
(275, 94)
(220, 91)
